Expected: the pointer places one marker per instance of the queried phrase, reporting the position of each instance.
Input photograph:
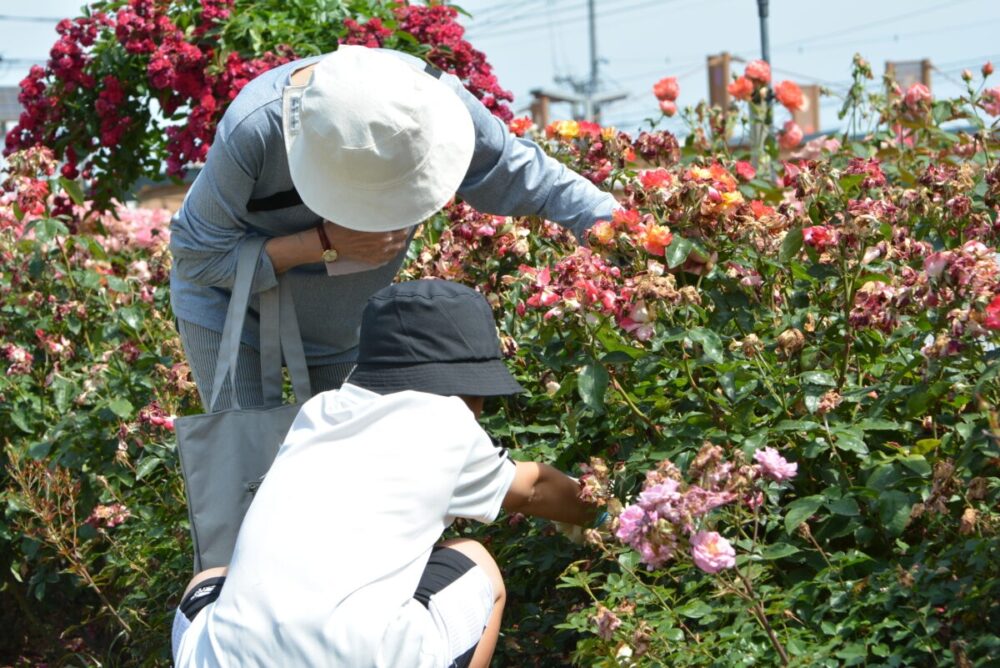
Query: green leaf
(916, 463)
(850, 182)
(852, 440)
(629, 560)
(63, 392)
(818, 378)
(20, 420)
(778, 551)
(678, 251)
(592, 383)
(925, 445)
(800, 510)
(879, 425)
(617, 357)
(146, 466)
(796, 425)
(922, 397)
(728, 384)
(711, 344)
(791, 245)
(894, 510)
(696, 609)
(845, 506)
(132, 317)
(121, 407)
(46, 229)
(72, 189)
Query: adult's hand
(371, 247)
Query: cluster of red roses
(172, 55)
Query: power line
(499, 9)
(897, 36)
(19, 61)
(507, 18)
(617, 11)
(871, 24)
(30, 19)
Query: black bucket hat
(432, 336)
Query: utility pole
(589, 111)
(584, 91)
(761, 127)
(765, 49)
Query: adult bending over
(336, 159)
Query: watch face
(330, 255)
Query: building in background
(10, 108)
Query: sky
(532, 43)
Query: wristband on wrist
(330, 253)
(601, 518)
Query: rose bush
(135, 84)
(779, 379)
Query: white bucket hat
(373, 143)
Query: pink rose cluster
(155, 416)
(662, 516)
(669, 513)
(20, 359)
(470, 241)
(135, 228)
(582, 283)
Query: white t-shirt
(339, 532)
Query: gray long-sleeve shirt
(507, 176)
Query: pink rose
(666, 89)
(936, 263)
(774, 466)
(668, 107)
(759, 71)
(819, 237)
(711, 552)
(991, 101)
(790, 136)
(917, 95)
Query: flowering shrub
(777, 378)
(150, 79)
(780, 385)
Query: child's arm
(542, 491)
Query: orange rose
(741, 89)
(790, 95)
